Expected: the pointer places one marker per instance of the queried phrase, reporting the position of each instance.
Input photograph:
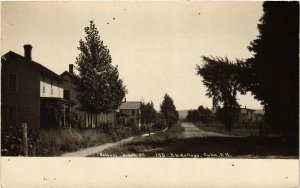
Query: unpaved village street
(191, 131)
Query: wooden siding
(26, 99)
(135, 117)
(45, 84)
(67, 85)
(91, 120)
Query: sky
(156, 45)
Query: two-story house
(87, 119)
(250, 116)
(27, 89)
(130, 112)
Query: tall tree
(98, 84)
(272, 74)
(148, 115)
(220, 76)
(169, 111)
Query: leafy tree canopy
(168, 110)
(221, 78)
(273, 71)
(98, 84)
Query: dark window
(67, 94)
(12, 116)
(51, 87)
(44, 89)
(131, 120)
(132, 112)
(12, 82)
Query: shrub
(11, 142)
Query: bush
(11, 142)
(54, 142)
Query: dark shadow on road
(234, 146)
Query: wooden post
(25, 140)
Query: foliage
(51, 114)
(221, 77)
(272, 74)
(160, 122)
(11, 142)
(99, 87)
(228, 115)
(118, 132)
(75, 118)
(54, 142)
(201, 114)
(147, 113)
(168, 110)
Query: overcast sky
(155, 44)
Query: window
(12, 116)
(51, 87)
(44, 89)
(132, 112)
(12, 82)
(67, 94)
(58, 90)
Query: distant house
(247, 116)
(250, 116)
(27, 88)
(87, 119)
(130, 113)
(259, 115)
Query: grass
(58, 141)
(148, 143)
(235, 131)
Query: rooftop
(130, 105)
(32, 64)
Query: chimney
(245, 107)
(71, 67)
(27, 51)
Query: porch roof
(60, 100)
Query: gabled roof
(130, 105)
(31, 64)
(259, 112)
(66, 73)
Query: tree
(148, 115)
(168, 110)
(272, 74)
(98, 84)
(220, 76)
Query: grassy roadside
(58, 141)
(236, 131)
(145, 144)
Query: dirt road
(192, 131)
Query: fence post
(25, 140)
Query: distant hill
(182, 114)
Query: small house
(130, 113)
